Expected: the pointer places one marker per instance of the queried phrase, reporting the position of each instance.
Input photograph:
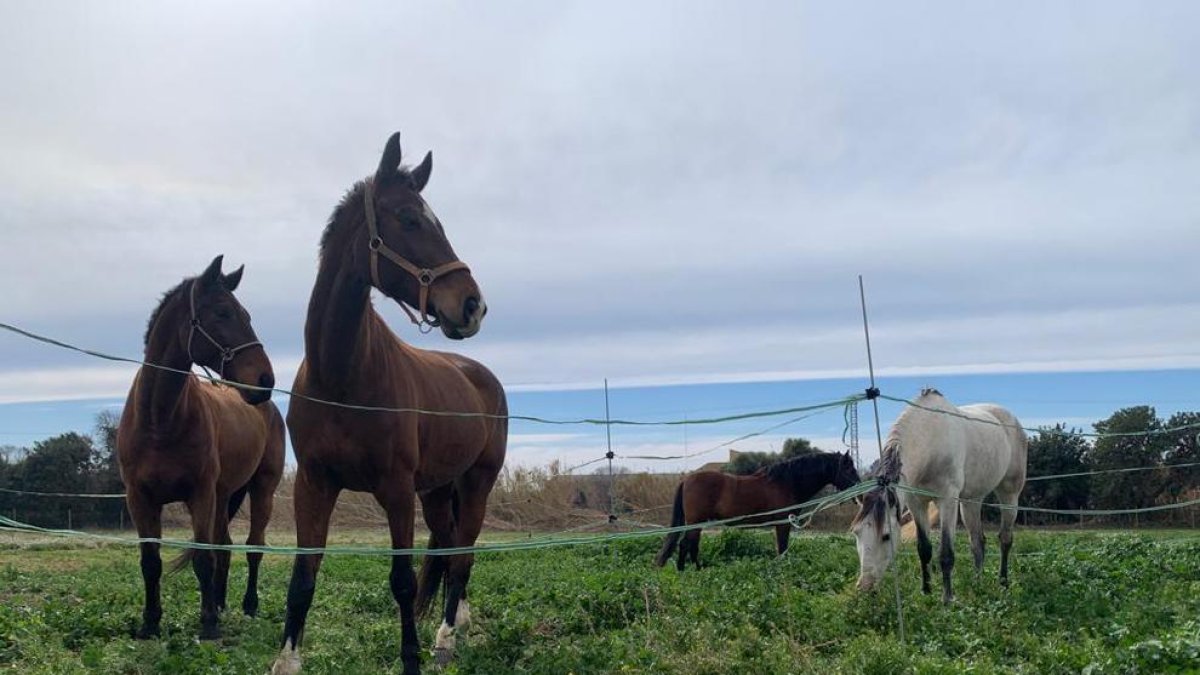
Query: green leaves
(1106, 602)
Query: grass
(1080, 602)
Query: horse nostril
(469, 308)
(266, 381)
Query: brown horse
(352, 356)
(712, 495)
(183, 440)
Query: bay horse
(351, 356)
(962, 454)
(714, 495)
(208, 446)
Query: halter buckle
(425, 327)
(426, 277)
(375, 243)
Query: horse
(206, 445)
(713, 495)
(960, 454)
(352, 356)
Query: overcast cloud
(653, 193)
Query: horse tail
(672, 538)
(185, 559)
(433, 568)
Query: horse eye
(887, 537)
(224, 314)
(407, 221)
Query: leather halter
(227, 353)
(424, 276)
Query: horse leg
(203, 507)
(919, 508)
(438, 510)
(398, 499)
(691, 543)
(313, 503)
(262, 497)
(973, 521)
(1007, 517)
(473, 490)
(782, 532)
(147, 517)
(221, 558)
(948, 515)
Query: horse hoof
(288, 662)
(250, 608)
(146, 633)
(442, 657)
(210, 633)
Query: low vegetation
(1081, 602)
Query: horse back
(996, 449)
(713, 495)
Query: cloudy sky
(658, 194)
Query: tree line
(86, 464)
(68, 463)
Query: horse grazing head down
(875, 525)
(409, 258)
(219, 336)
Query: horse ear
(231, 280)
(420, 175)
(390, 160)
(212, 274)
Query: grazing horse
(384, 235)
(960, 454)
(208, 446)
(712, 495)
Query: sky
(677, 197)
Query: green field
(1091, 601)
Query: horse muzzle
(474, 309)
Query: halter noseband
(424, 276)
(227, 353)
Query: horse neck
(341, 325)
(802, 485)
(162, 394)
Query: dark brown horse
(712, 495)
(384, 235)
(208, 446)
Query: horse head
(219, 336)
(845, 474)
(874, 526)
(409, 257)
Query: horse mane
(162, 303)
(873, 502)
(889, 461)
(874, 506)
(787, 471)
(345, 211)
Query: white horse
(962, 455)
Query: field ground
(1099, 602)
